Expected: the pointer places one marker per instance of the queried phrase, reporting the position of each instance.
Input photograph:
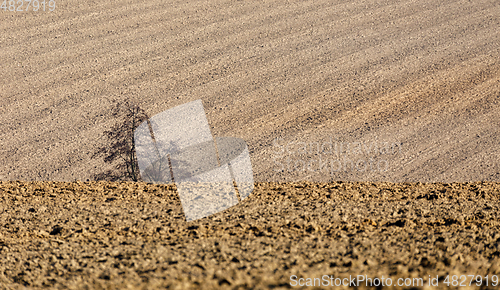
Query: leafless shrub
(120, 150)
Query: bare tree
(121, 147)
(121, 152)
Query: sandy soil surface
(421, 77)
(101, 235)
(424, 74)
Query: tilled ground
(421, 75)
(98, 235)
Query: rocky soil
(102, 235)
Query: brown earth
(424, 74)
(421, 75)
(101, 235)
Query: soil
(423, 74)
(103, 235)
